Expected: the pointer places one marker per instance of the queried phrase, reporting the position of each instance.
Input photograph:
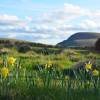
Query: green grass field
(39, 75)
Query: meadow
(57, 74)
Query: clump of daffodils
(11, 60)
(4, 72)
(89, 68)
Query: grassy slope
(80, 39)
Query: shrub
(97, 45)
(24, 48)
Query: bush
(24, 48)
(97, 45)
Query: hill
(5, 42)
(80, 39)
(22, 46)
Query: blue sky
(48, 21)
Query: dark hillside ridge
(5, 42)
(80, 39)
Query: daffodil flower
(95, 72)
(4, 72)
(88, 66)
(11, 60)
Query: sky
(48, 21)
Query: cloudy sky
(48, 21)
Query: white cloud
(89, 24)
(10, 20)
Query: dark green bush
(97, 45)
(24, 48)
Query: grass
(28, 78)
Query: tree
(97, 45)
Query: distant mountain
(5, 42)
(80, 39)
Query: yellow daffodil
(88, 66)
(48, 65)
(95, 73)
(11, 60)
(4, 72)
